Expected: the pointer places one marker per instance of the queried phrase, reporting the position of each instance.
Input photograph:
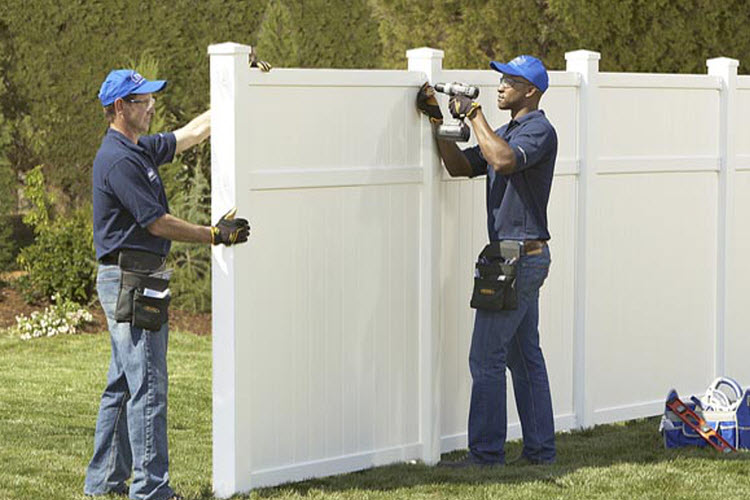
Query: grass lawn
(49, 394)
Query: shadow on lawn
(636, 442)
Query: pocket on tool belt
(149, 313)
(494, 294)
(133, 284)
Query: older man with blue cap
(518, 160)
(133, 231)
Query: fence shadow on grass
(633, 442)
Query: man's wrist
(474, 113)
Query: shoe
(467, 461)
(524, 460)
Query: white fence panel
(342, 328)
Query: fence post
(430, 62)
(226, 61)
(726, 69)
(586, 63)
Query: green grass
(49, 392)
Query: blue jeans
(511, 338)
(131, 430)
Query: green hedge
(59, 52)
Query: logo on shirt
(151, 174)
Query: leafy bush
(62, 317)
(61, 259)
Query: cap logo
(136, 78)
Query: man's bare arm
(195, 132)
(495, 150)
(173, 228)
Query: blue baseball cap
(527, 67)
(122, 82)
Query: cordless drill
(456, 131)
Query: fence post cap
(723, 61)
(228, 48)
(425, 52)
(583, 54)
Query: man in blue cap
(518, 160)
(133, 230)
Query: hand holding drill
(461, 105)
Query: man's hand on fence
(255, 62)
(427, 104)
(230, 231)
(462, 107)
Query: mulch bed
(11, 305)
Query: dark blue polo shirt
(517, 203)
(128, 193)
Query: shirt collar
(528, 116)
(122, 139)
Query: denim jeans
(131, 430)
(511, 338)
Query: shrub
(190, 199)
(62, 317)
(61, 259)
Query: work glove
(257, 63)
(229, 230)
(427, 104)
(462, 107)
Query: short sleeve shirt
(128, 193)
(517, 202)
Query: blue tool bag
(726, 411)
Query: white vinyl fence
(341, 329)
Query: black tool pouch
(149, 313)
(495, 280)
(142, 311)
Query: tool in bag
(724, 407)
(695, 422)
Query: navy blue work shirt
(128, 193)
(517, 202)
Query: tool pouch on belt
(495, 278)
(136, 302)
